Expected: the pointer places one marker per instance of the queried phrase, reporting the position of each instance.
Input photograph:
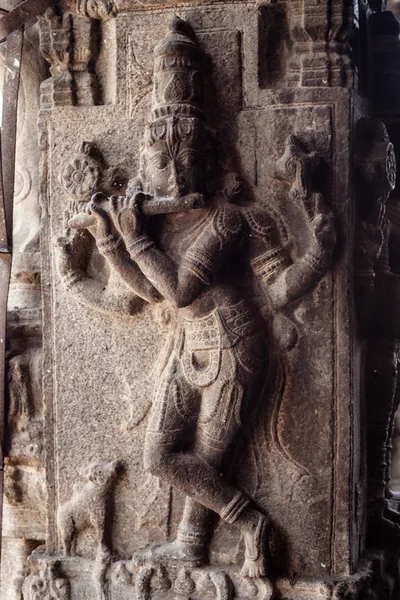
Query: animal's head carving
(102, 472)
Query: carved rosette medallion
(82, 174)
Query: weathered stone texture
(280, 464)
(224, 344)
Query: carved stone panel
(208, 353)
(296, 331)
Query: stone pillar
(204, 380)
(24, 518)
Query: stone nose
(175, 182)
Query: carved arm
(114, 251)
(89, 291)
(282, 279)
(181, 284)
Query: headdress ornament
(178, 88)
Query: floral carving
(47, 584)
(82, 174)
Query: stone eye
(189, 158)
(185, 128)
(159, 130)
(160, 160)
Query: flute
(149, 206)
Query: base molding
(78, 578)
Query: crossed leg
(194, 460)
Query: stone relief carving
(24, 502)
(377, 277)
(83, 60)
(87, 172)
(55, 47)
(139, 78)
(173, 238)
(24, 421)
(69, 42)
(82, 174)
(80, 178)
(299, 58)
(24, 363)
(24, 476)
(94, 9)
(139, 402)
(46, 582)
(90, 507)
(198, 583)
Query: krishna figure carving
(175, 238)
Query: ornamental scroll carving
(181, 237)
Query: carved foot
(256, 550)
(383, 533)
(171, 553)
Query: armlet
(200, 263)
(227, 224)
(270, 263)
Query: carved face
(175, 157)
(101, 472)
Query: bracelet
(108, 245)
(70, 280)
(139, 246)
(317, 263)
(267, 265)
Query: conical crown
(178, 88)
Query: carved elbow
(182, 302)
(181, 296)
(154, 296)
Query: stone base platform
(78, 578)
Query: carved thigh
(176, 403)
(220, 413)
(228, 403)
